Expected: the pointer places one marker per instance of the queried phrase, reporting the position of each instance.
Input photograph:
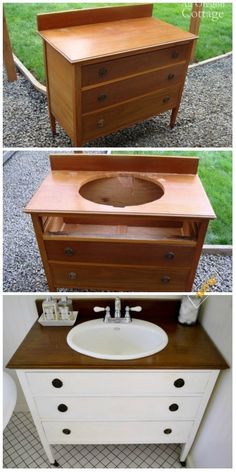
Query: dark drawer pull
(69, 251)
(174, 407)
(171, 76)
(100, 123)
(170, 256)
(72, 275)
(174, 55)
(166, 99)
(165, 279)
(62, 408)
(66, 431)
(167, 431)
(102, 72)
(57, 383)
(179, 383)
(102, 97)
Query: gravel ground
(23, 270)
(204, 120)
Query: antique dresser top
(83, 35)
(184, 195)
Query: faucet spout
(117, 308)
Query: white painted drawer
(117, 408)
(117, 382)
(117, 432)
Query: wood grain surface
(184, 196)
(109, 39)
(188, 347)
(86, 16)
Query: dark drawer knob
(179, 383)
(166, 99)
(62, 408)
(165, 279)
(171, 76)
(102, 72)
(66, 431)
(167, 431)
(174, 407)
(57, 383)
(69, 251)
(102, 97)
(72, 276)
(170, 256)
(174, 55)
(100, 123)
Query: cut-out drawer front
(135, 64)
(117, 408)
(117, 383)
(116, 432)
(119, 277)
(120, 253)
(109, 94)
(119, 116)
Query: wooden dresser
(76, 399)
(123, 222)
(108, 68)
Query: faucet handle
(98, 309)
(132, 308)
(135, 308)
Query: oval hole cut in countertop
(121, 190)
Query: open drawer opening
(63, 228)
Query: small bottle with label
(65, 308)
(49, 307)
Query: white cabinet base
(117, 407)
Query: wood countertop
(86, 42)
(189, 347)
(184, 195)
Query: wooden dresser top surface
(84, 42)
(184, 196)
(189, 347)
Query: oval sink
(117, 341)
(121, 190)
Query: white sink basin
(117, 341)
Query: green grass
(215, 171)
(215, 36)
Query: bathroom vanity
(123, 222)
(76, 399)
(107, 68)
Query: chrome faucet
(117, 308)
(117, 318)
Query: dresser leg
(52, 123)
(174, 116)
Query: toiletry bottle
(48, 308)
(64, 308)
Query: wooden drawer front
(117, 383)
(117, 408)
(110, 119)
(118, 277)
(116, 432)
(120, 253)
(109, 94)
(135, 64)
